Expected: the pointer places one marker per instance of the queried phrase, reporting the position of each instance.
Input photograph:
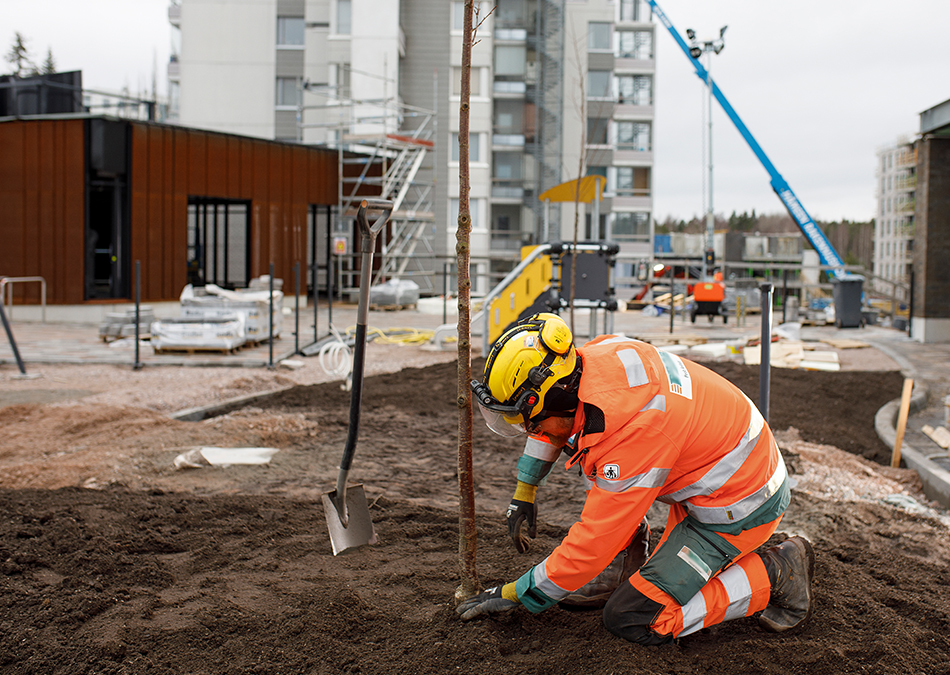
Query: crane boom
(826, 252)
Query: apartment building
(558, 88)
(894, 223)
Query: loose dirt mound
(230, 570)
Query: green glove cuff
(529, 595)
(532, 470)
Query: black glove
(485, 603)
(519, 514)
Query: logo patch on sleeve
(680, 381)
(611, 471)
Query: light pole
(696, 50)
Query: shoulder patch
(678, 376)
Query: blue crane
(826, 252)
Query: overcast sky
(821, 84)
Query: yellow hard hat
(522, 367)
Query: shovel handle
(359, 347)
(383, 205)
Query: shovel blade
(358, 528)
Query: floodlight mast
(826, 252)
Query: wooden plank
(940, 435)
(902, 421)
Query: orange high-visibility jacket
(654, 426)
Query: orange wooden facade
(43, 193)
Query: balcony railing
(905, 206)
(509, 240)
(507, 87)
(907, 182)
(508, 140)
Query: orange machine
(707, 299)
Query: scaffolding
(394, 161)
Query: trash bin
(847, 296)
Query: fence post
(765, 362)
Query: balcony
(511, 34)
(905, 206)
(905, 183)
(509, 88)
(509, 240)
(507, 140)
(907, 158)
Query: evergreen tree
(19, 56)
(49, 65)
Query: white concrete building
(347, 71)
(894, 222)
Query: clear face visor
(499, 424)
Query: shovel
(345, 507)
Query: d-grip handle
(383, 205)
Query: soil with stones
(230, 570)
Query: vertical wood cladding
(43, 192)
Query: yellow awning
(567, 192)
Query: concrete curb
(935, 479)
(224, 407)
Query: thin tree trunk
(467, 537)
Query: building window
(474, 147)
(287, 92)
(633, 136)
(476, 81)
(632, 181)
(633, 44)
(635, 89)
(597, 130)
(598, 36)
(458, 16)
(598, 84)
(289, 31)
(508, 117)
(510, 60)
(629, 10)
(630, 226)
(507, 166)
(343, 17)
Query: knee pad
(629, 614)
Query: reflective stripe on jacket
(654, 426)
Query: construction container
(847, 291)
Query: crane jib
(812, 232)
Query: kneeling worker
(644, 425)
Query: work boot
(595, 592)
(790, 566)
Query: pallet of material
(198, 335)
(390, 308)
(118, 325)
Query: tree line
(854, 240)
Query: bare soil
(113, 561)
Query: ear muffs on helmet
(523, 366)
